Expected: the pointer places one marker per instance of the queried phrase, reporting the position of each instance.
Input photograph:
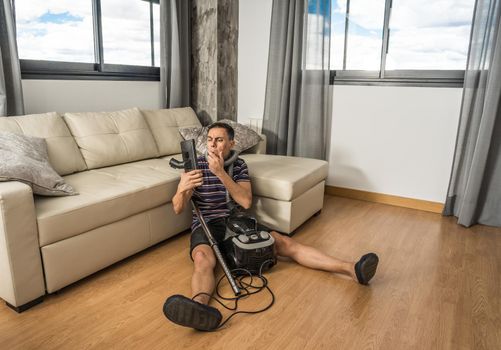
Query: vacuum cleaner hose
(176, 164)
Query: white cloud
(429, 48)
(29, 10)
(59, 42)
(126, 33)
(405, 13)
(435, 36)
(363, 53)
(126, 9)
(436, 13)
(430, 34)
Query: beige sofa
(118, 162)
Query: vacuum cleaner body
(246, 247)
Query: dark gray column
(215, 55)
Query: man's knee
(203, 258)
(284, 245)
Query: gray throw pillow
(25, 158)
(245, 137)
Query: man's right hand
(190, 180)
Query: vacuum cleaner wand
(216, 250)
(189, 163)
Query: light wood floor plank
(437, 287)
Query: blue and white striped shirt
(210, 197)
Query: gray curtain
(175, 52)
(11, 93)
(474, 194)
(296, 114)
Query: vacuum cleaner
(245, 249)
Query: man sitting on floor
(208, 185)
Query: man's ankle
(202, 298)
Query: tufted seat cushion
(165, 124)
(283, 178)
(110, 138)
(106, 195)
(287, 190)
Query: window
(88, 39)
(400, 41)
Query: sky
(424, 34)
(62, 30)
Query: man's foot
(366, 267)
(189, 313)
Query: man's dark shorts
(217, 228)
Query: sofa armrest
(260, 148)
(21, 273)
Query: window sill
(419, 78)
(50, 70)
(457, 83)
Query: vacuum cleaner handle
(189, 154)
(226, 270)
(216, 250)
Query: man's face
(219, 142)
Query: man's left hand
(216, 162)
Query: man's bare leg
(203, 280)
(196, 313)
(311, 257)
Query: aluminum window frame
(408, 77)
(58, 70)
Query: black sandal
(366, 267)
(189, 313)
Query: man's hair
(229, 129)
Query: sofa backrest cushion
(64, 155)
(165, 124)
(110, 138)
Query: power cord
(248, 288)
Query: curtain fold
(175, 52)
(474, 194)
(11, 93)
(296, 114)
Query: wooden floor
(438, 287)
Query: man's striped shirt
(210, 197)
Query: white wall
(42, 96)
(392, 140)
(253, 42)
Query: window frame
(58, 70)
(409, 77)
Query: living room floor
(437, 286)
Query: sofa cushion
(283, 178)
(245, 138)
(165, 124)
(64, 155)
(110, 138)
(106, 195)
